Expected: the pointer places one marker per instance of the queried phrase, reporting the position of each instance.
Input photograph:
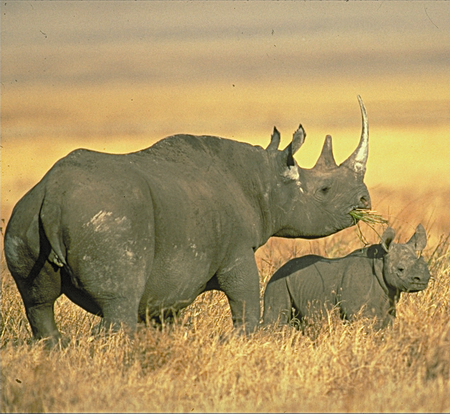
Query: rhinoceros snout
(364, 201)
(419, 281)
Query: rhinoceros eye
(324, 190)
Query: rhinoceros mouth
(366, 215)
(416, 287)
(356, 214)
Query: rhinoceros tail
(51, 222)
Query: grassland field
(143, 71)
(198, 365)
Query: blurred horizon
(119, 76)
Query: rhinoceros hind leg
(42, 321)
(39, 288)
(119, 312)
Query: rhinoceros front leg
(239, 280)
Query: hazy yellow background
(118, 76)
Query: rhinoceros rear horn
(326, 158)
(358, 160)
(274, 140)
(419, 238)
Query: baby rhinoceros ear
(387, 238)
(419, 239)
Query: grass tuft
(367, 216)
(370, 217)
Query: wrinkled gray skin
(373, 277)
(135, 236)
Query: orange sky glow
(119, 76)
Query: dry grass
(199, 365)
(367, 216)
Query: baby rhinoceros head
(404, 268)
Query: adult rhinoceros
(130, 236)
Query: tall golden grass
(197, 364)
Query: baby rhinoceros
(370, 279)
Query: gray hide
(135, 236)
(371, 278)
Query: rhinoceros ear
(387, 238)
(297, 141)
(274, 140)
(326, 159)
(419, 238)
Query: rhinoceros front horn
(358, 160)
